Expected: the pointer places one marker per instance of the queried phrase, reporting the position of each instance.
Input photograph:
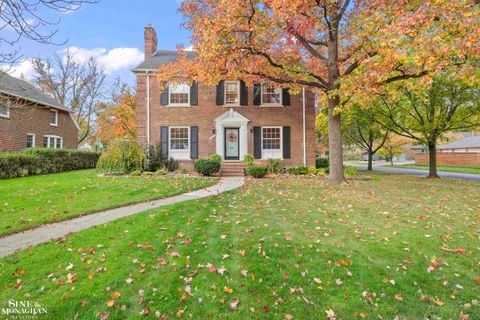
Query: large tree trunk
(432, 161)
(335, 175)
(370, 160)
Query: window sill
(53, 125)
(271, 105)
(178, 106)
(4, 116)
(231, 106)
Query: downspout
(304, 129)
(148, 108)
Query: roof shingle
(161, 57)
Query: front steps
(232, 169)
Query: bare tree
(23, 19)
(79, 86)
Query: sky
(111, 31)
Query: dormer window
(271, 96)
(53, 118)
(4, 109)
(179, 95)
(232, 93)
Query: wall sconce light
(213, 131)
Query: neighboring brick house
(30, 118)
(229, 119)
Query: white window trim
(34, 142)
(281, 143)
(280, 104)
(178, 104)
(7, 116)
(49, 136)
(225, 94)
(54, 124)
(179, 154)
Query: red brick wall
(204, 114)
(451, 159)
(26, 119)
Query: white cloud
(112, 60)
(23, 69)
(189, 48)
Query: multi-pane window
(53, 117)
(179, 94)
(232, 92)
(179, 138)
(30, 140)
(52, 142)
(271, 138)
(271, 95)
(4, 109)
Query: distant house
(30, 118)
(464, 152)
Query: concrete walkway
(418, 172)
(23, 240)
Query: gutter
(148, 108)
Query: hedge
(207, 167)
(44, 161)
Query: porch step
(232, 169)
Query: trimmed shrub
(172, 165)
(275, 166)
(350, 171)
(216, 157)
(207, 167)
(122, 156)
(321, 163)
(249, 159)
(298, 171)
(257, 171)
(44, 161)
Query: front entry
(232, 144)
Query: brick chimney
(150, 41)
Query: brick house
(30, 118)
(229, 119)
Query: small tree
(364, 133)
(393, 147)
(427, 115)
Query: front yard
(28, 202)
(274, 249)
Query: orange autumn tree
(342, 49)
(118, 119)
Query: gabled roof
(161, 57)
(22, 89)
(469, 142)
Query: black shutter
(164, 97)
(221, 93)
(257, 94)
(164, 140)
(285, 97)
(194, 142)
(194, 94)
(243, 94)
(257, 142)
(286, 142)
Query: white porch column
(243, 141)
(219, 148)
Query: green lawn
(32, 201)
(274, 249)
(440, 168)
